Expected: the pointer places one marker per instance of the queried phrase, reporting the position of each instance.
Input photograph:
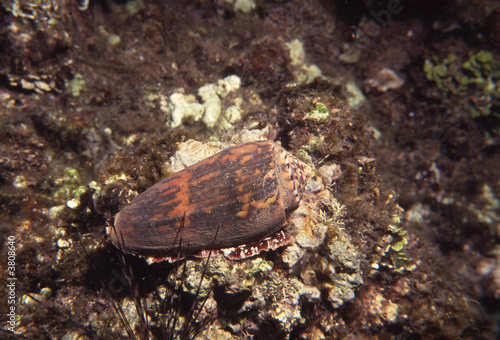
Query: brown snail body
(238, 196)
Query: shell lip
(238, 252)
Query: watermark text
(11, 284)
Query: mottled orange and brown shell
(237, 196)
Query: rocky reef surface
(396, 111)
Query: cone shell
(237, 196)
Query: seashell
(232, 202)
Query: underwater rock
(192, 151)
(280, 298)
(182, 106)
(211, 103)
(386, 79)
(244, 6)
(330, 172)
(382, 309)
(343, 268)
(303, 72)
(215, 102)
(356, 96)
